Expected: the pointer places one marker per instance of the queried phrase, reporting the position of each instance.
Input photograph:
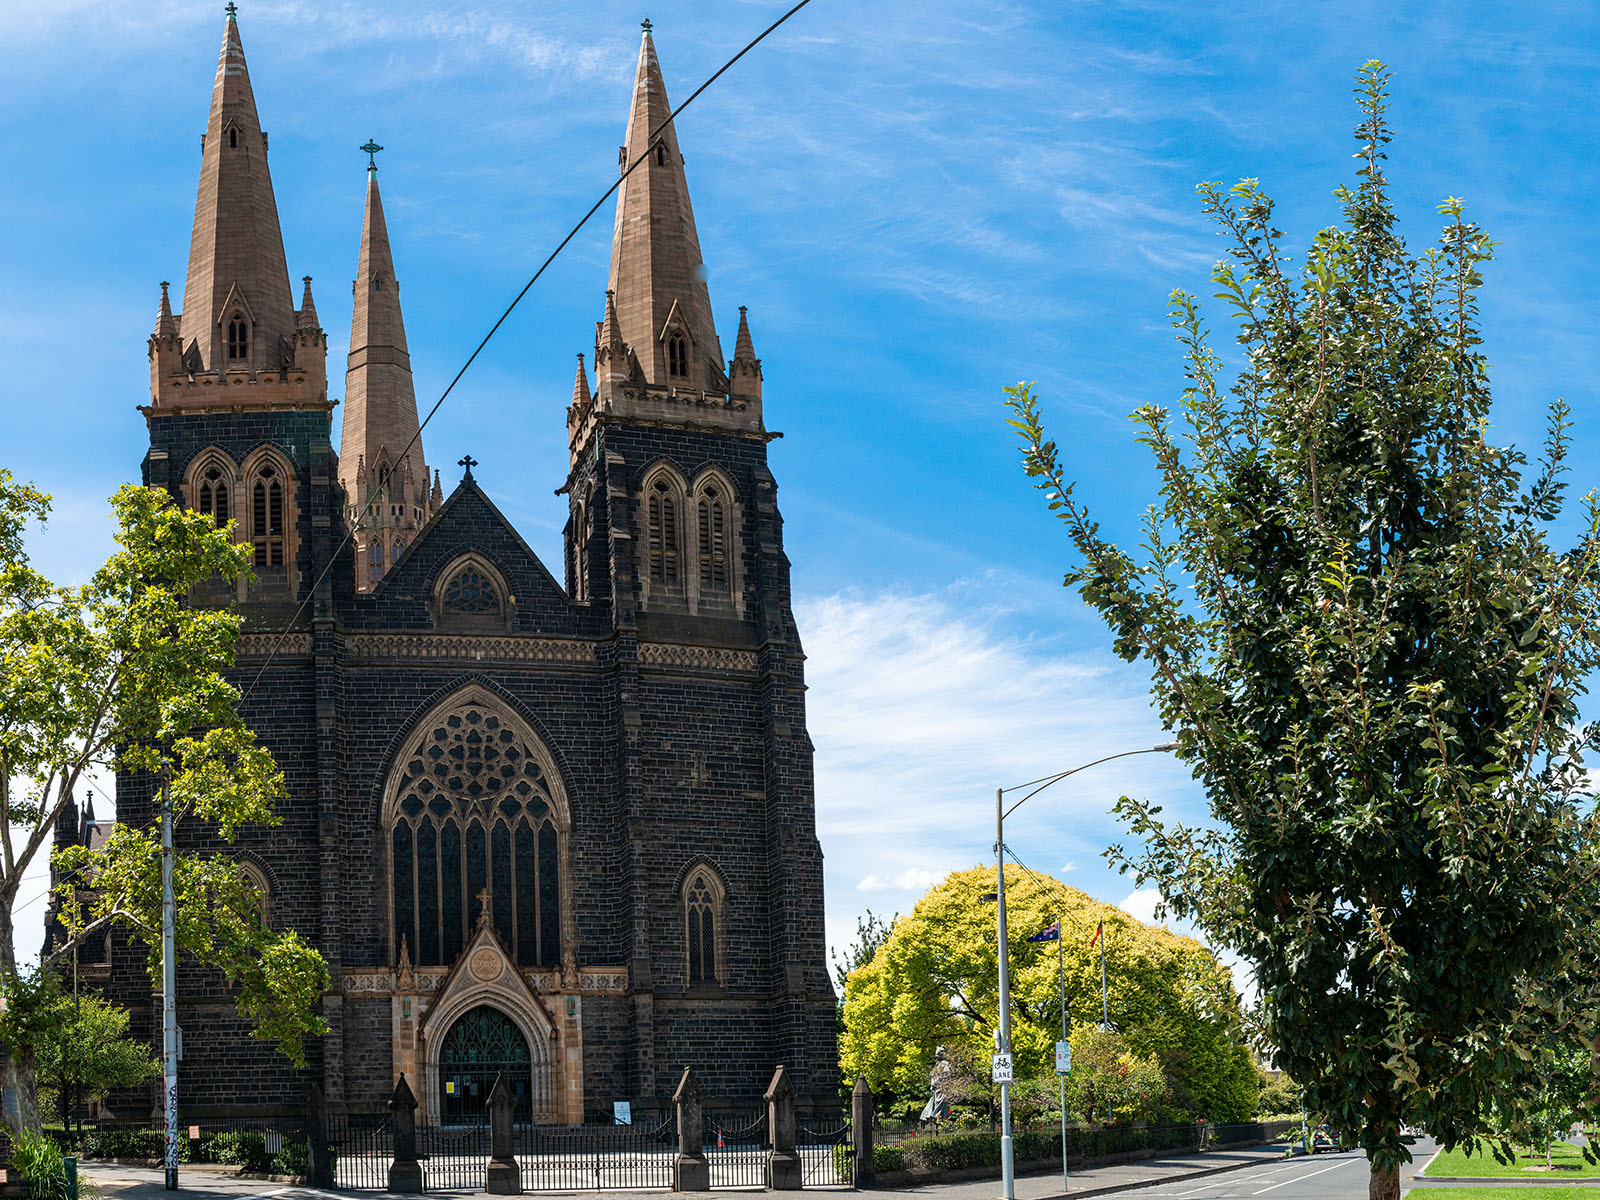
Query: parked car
(1324, 1139)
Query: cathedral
(556, 823)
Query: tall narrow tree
(1373, 658)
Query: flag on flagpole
(1098, 930)
(1052, 934)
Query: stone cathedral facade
(558, 823)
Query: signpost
(1002, 1067)
(1063, 1058)
(622, 1112)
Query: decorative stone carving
(367, 647)
(486, 965)
(701, 658)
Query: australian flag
(1052, 934)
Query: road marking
(1308, 1175)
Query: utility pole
(1008, 1173)
(169, 985)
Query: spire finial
(467, 461)
(371, 151)
(645, 25)
(232, 10)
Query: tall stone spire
(236, 261)
(656, 270)
(380, 402)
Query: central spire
(380, 406)
(238, 309)
(663, 309)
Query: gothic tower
(381, 465)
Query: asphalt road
(1341, 1176)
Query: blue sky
(919, 203)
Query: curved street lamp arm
(1048, 780)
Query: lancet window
(374, 561)
(474, 809)
(712, 512)
(266, 515)
(580, 552)
(663, 508)
(211, 489)
(238, 339)
(702, 913)
(678, 356)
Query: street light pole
(1001, 812)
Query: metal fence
(362, 1147)
(454, 1158)
(736, 1148)
(563, 1158)
(825, 1154)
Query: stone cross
(468, 462)
(485, 898)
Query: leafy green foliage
(124, 674)
(41, 1166)
(84, 1051)
(934, 983)
(1373, 659)
(1108, 1081)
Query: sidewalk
(145, 1183)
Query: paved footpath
(1174, 1176)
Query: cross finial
(232, 10)
(468, 462)
(485, 899)
(645, 25)
(371, 151)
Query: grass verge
(1568, 1160)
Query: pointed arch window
(712, 514)
(212, 495)
(702, 915)
(233, 139)
(266, 516)
(471, 592)
(580, 552)
(678, 356)
(665, 531)
(374, 561)
(238, 338)
(473, 808)
(399, 549)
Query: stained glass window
(471, 592)
(472, 772)
(702, 934)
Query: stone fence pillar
(783, 1164)
(690, 1172)
(505, 1177)
(863, 1174)
(319, 1164)
(405, 1172)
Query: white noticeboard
(622, 1112)
(1002, 1068)
(1063, 1058)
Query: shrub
(40, 1161)
(122, 1143)
(293, 1159)
(238, 1148)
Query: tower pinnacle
(663, 307)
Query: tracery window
(678, 356)
(238, 338)
(471, 592)
(665, 540)
(399, 548)
(374, 561)
(701, 904)
(211, 497)
(474, 809)
(266, 516)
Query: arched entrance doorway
(481, 1045)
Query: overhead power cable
(377, 497)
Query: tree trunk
(17, 1069)
(1384, 1184)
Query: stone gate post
(319, 1166)
(405, 1172)
(505, 1177)
(863, 1173)
(691, 1172)
(783, 1164)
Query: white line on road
(1309, 1174)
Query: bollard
(783, 1164)
(69, 1164)
(405, 1172)
(504, 1177)
(690, 1172)
(863, 1172)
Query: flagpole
(1105, 1004)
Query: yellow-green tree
(935, 982)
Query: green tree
(1372, 657)
(86, 1052)
(934, 983)
(871, 932)
(1546, 1114)
(122, 674)
(1108, 1081)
